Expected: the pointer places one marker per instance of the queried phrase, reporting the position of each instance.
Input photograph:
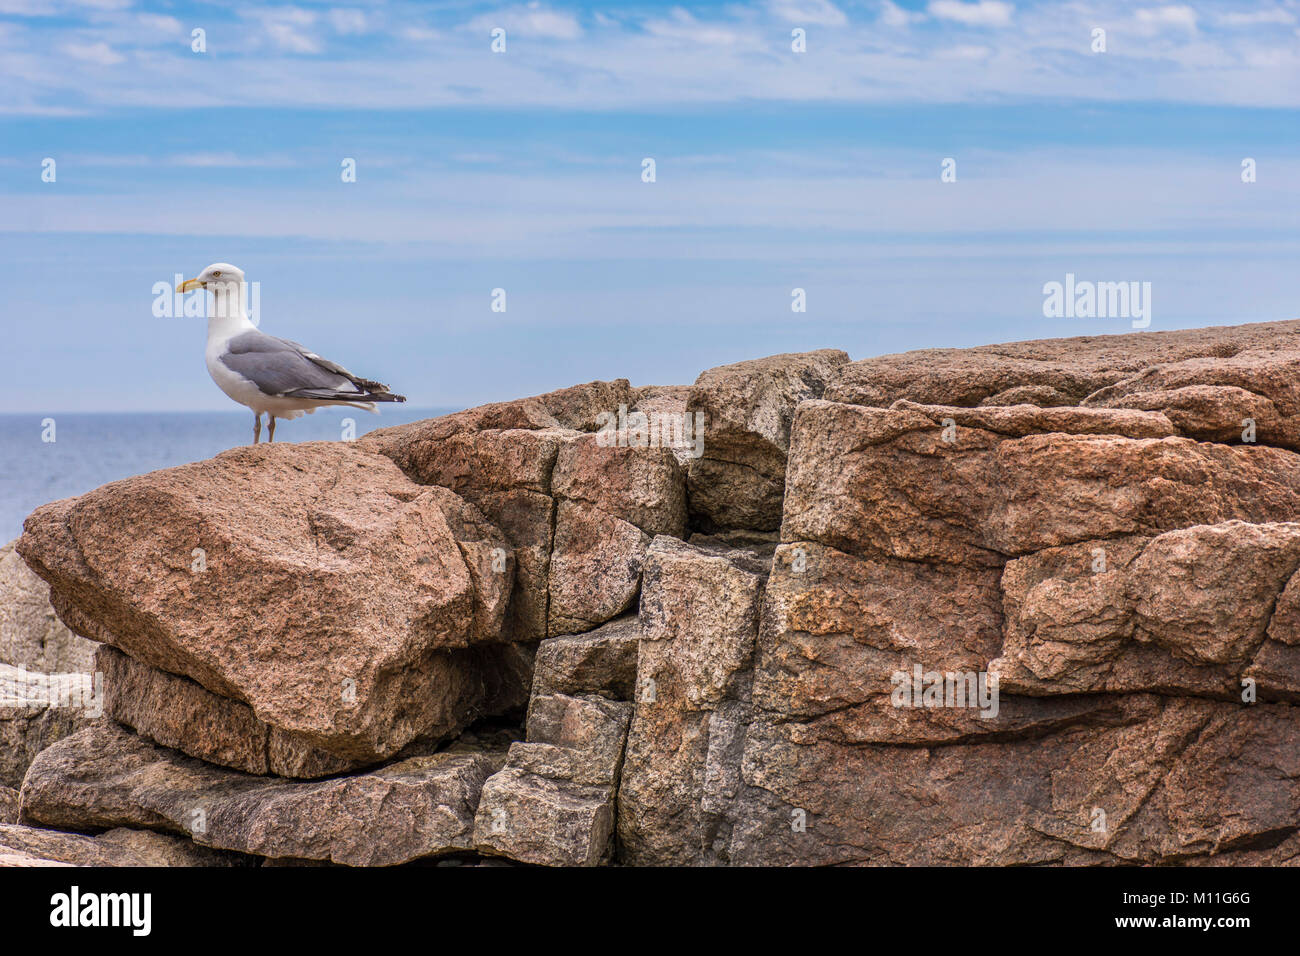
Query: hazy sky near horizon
(522, 170)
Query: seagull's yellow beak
(189, 284)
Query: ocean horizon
(90, 449)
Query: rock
(105, 777)
(1072, 368)
(17, 858)
(602, 661)
(642, 486)
(1183, 612)
(1166, 780)
(38, 709)
(500, 457)
(664, 408)
(1072, 548)
(1205, 412)
(747, 409)
(1044, 396)
(1276, 666)
(1212, 395)
(875, 481)
(576, 408)
(506, 473)
(966, 377)
(595, 569)
(178, 713)
(553, 801)
(313, 582)
(699, 623)
(611, 501)
(1016, 421)
(121, 847)
(8, 805)
(580, 406)
(31, 636)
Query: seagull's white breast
(220, 332)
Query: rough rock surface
(36, 710)
(8, 804)
(1184, 612)
(887, 481)
(105, 777)
(31, 635)
(747, 409)
(120, 847)
(601, 661)
(611, 501)
(553, 801)
(699, 613)
(500, 457)
(1059, 371)
(178, 713)
(313, 582)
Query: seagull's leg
(270, 427)
(257, 427)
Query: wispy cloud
(981, 13)
(820, 13)
(294, 55)
(1254, 18)
(348, 22)
(407, 56)
(531, 20)
(1177, 16)
(100, 54)
(290, 29)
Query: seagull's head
(219, 275)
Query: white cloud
(348, 22)
(655, 59)
(159, 23)
(287, 28)
(892, 15)
(532, 20)
(1273, 15)
(820, 13)
(983, 13)
(53, 8)
(1170, 16)
(101, 54)
(965, 52)
(228, 160)
(419, 34)
(683, 26)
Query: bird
(272, 376)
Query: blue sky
(522, 170)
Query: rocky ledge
(1022, 604)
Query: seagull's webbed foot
(257, 427)
(270, 428)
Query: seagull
(272, 376)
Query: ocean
(90, 449)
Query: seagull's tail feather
(375, 393)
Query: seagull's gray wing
(286, 369)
